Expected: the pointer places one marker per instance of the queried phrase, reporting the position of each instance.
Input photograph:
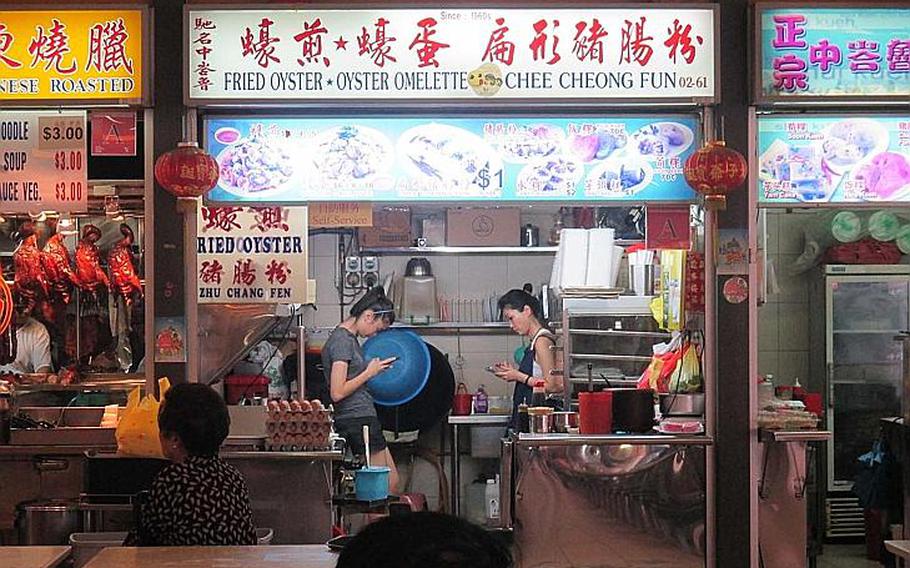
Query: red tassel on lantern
(186, 171)
(714, 171)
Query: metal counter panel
(610, 505)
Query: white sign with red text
(489, 54)
(251, 255)
(43, 165)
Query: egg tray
(298, 430)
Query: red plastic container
(248, 386)
(461, 404)
(813, 402)
(595, 412)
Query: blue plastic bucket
(371, 483)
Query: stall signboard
(829, 159)
(846, 53)
(486, 54)
(251, 255)
(595, 158)
(44, 165)
(332, 215)
(72, 56)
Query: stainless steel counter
(636, 500)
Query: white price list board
(44, 163)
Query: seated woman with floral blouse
(199, 499)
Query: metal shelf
(604, 357)
(489, 325)
(608, 332)
(460, 250)
(868, 331)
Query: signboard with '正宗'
(486, 54)
(251, 255)
(846, 53)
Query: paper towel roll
(600, 258)
(574, 261)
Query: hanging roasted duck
(89, 274)
(58, 268)
(29, 280)
(123, 271)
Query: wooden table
(33, 556)
(900, 548)
(275, 556)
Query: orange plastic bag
(137, 431)
(664, 361)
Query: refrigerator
(856, 312)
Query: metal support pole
(904, 338)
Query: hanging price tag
(61, 131)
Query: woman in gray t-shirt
(347, 373)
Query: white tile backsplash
(791, 233)
(768, 363)
(324, 245)
(768, 326)
(792, 364)
(793, 332)
(479, 275)
(794, 288)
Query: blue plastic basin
(371, 483)
(407, 376)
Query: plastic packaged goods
(491, 500)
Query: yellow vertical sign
(71, 54)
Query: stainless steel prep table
(574, 500)
(455, 422)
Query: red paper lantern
(714, 171)
(186, 171)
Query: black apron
(523, 392)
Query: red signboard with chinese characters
(113, 133)
(260, 53)
(72, 56)
(251, 255)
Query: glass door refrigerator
(865, 307)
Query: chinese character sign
(833, 159)
(251, 255)
(835, 52)
(429, 53)
(304, 160)
(71, 55)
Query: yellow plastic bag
(687, 377)
(137, 431)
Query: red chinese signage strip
(493, 54)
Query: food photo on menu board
(834, 159)
(291, 160)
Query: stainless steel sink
(66, 416)
(75, 426)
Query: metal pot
(541, 419)
(562, 421)
(633, 410)
(418, 267)
(47, 522)
(682, 404)
(530, 236)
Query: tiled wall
(457, 276)
(783, 324)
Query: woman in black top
(522, 311)
(197, 500)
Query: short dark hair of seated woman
(198, 500)
(418, 540)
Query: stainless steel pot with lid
(47, 522)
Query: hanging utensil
(590, 377)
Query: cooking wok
(431, 404)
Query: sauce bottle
(524, 419)
(539, 396)
(481, 401)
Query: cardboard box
(391, 228)
(487, 227)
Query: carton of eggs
(298, 425)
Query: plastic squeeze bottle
(481, 401)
